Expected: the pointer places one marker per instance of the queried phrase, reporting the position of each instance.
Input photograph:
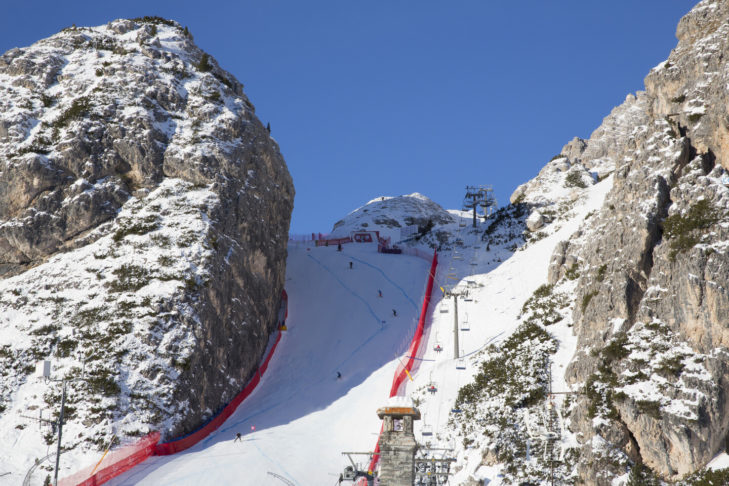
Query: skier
(350, 265)
(379, 292)
(339, 247)
(394, 313)
(238, 437)
(339, 375)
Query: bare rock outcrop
(653, 293)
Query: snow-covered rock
(392, 215)
(144, 215)
(535, 221)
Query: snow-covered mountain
(394, 216)
(134, 177)
(592, 343)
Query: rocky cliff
(652, 298)
(144, 214)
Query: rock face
(652, 313)
(127, 153)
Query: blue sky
(394, 97)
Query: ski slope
(304, 417)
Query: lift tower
(479, 197)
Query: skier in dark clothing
(238, 437)
(339, 375)
(339, 247)
(394, 313)
(379, 292)
(350, 265)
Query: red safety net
(190, 440)
(404, 368)
(333, 241)
(114, 463)
(122, 460)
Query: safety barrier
(416, 252)
(321, 239)
(333, 241)
(114, 463)
(124, 459)
(216, 421)
(404, 369)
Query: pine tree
(204, 65)
(641, 475)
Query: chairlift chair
(465, 326)
(460, 364)
(427, 430)
(437, 348)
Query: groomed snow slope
(304, 417)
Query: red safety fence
(404, 368)
(191, 439)
(333, 241)
(114, 463)
(402, 373)
(321, 239)
(122, 460)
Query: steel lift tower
(479, 197)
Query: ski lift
(349, 474)
(474, 263)
(427, 430)
(460, 364)
(437, 348)
(546, 427)
(457, 257)
(456, 410)
(465, 326)
(431, 384)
